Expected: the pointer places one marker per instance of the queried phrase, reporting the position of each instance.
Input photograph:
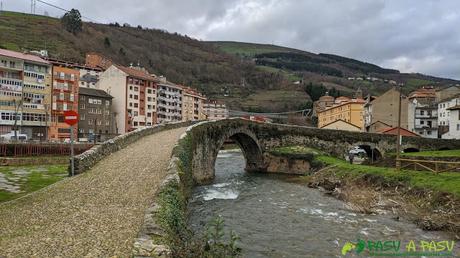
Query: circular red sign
(70, 117)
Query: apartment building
(134, 93)
(25, 94)
(64, 98)
(348, 110)
(448, 117)
(96, 122)
(192, 105)
(169, 101)
(215, 110)
(423, 112)
(384, 110)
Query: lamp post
(398, 139)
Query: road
(95, 214)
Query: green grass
(448, 182)
(444, 153)
(33, 181)
(289, 76)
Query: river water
(278, 218)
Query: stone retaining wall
(89, 158)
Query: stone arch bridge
(255, 139)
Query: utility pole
(398, 139)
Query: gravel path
(96, 214)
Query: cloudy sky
(409, 35)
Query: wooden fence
(436, 166)
(39, 149)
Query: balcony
(11, 67)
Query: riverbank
(432, 201)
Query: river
(278, 218)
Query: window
(149, 114)
(61, 96)
(422, 112)
(136, 97)
(136, 105)
(82, 117)
(71, 97)
(458, 127)
(149, 91)
(130, 96)
(107, 102)
(135, 123)
(82, 106)
(64, 106)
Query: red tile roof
(18, 55)
(427, 92)
(394, 131)
(136, 73)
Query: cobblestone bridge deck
(95, 214)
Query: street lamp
(398, 138)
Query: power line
(63, 9)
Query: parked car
(357, 151)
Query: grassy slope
(448, 182)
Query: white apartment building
(169, 99)
(449, 117)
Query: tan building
(215, 110)
(25, 90)
(192, 105)
(134, 95)
(384, 109)
(342, 125)
(348, 110)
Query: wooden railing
(436, 166)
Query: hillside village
(113, 99)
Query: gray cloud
(409, 35)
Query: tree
(72, 21)
(107, 42)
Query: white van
(11, 137)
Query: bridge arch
(212, 143)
